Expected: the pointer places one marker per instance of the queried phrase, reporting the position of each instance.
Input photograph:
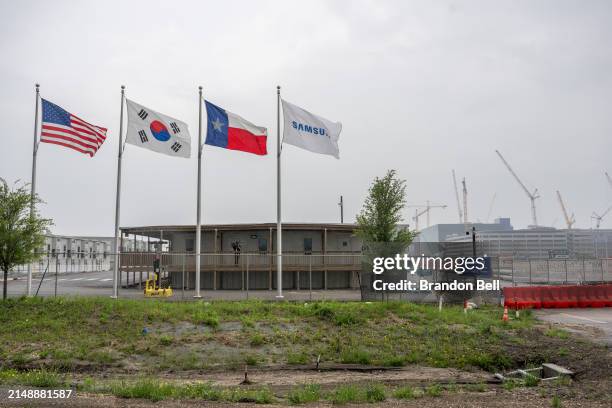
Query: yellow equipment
(153, 289)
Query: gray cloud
(419, 86)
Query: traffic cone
(505, 317)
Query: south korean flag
(157, 132)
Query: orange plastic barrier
(564, 296)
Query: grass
(556, 332)
(304, 394)
(351, 393)
(155, 390)
(345, 394)
(222, 334)
(405, 392)
(434, 390)
(34, 378)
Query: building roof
(239, 227)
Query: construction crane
(457, 198)
(568, 220)
(532, 196)
(609, 179)
(465, 213)
(491, 206)
(426, 209)
(598, 218)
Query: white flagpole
(199, 200)
(279, 234)
(33, 184)
(118, 200)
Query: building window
(344, 243)
(308, 246)
(189, 245)
(263, 245)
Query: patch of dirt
(286, 378)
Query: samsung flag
(310, 132)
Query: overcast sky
(421, 87)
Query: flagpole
(33, 184)
(279, 231)
(118, 199)
(199, 201)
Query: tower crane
(465, 212)
(457, 198)
(532, 196)
(568, 220)
(426, 209)
(491, 206)
(598, 218)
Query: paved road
(596, 323)
(77, 283)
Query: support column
(324, 258)
(270, 252)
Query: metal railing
(555, 271)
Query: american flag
(65, 129)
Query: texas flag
(230, 131)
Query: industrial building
(239, 256)
(542, 243)
(443, 232)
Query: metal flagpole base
(113, 297)
(279, 296)
(197, 296)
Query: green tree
(381, 214)
(21, 232)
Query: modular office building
(239, 256)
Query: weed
(531, 380)
(479, 387)
(345, 394)
(297, 358)
(355, 357)
(556, 402)
(394, 361)
(305, 394)
(375, 393)
(206, 317)
(260, 396)
(556, 332)
(150, 389)
(406, 392)
(511, 383)
(257, 339)
(434, 390)
(36, 378)
(165, 340)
